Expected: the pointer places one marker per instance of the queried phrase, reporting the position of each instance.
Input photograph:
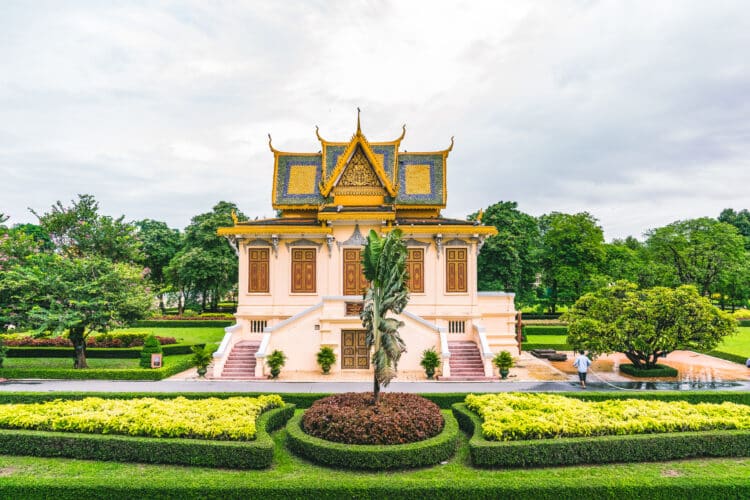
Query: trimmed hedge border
(545, 330)
(744, 322)
(597, 450)
(444, 400)
(431, 451)
(97, 373)
(528, 346)
(540, 316)
(659, 371)
(95, 352)
(728, 356)
(256, 454)
(203, 323)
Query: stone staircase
(241, 362)
(465, 362)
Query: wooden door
(354, 351)
(354, 281)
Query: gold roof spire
(359, 128)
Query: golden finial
(359, 129)
(317, 133)
(234, 217)
(270, 146)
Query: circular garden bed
(658, 371)
(347, 430)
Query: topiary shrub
(351, 418)
(151, 346)
(326, 358)
(659, 371)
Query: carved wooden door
(354, 351)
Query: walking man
(582, 363)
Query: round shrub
(351, 418)
(150, 346)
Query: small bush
(659, 371)
(741, 314)
(150, 346)
(374, 457)
(275, 361)
(326, 358)
(352, 418)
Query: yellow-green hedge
(515, 416)
(211, 418)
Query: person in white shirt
(582, 363)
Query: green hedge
(545, 330)
(529, 346)
(443, 400)
(597, 450)
(744, 322)
(98, 373)
(659, 371)
(155, 323)
(540, 316)
(94, 352)
(256, 454)
(373, 457)
(735, 358)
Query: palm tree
(384, 265)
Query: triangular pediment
(358, 166)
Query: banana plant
(384, 266)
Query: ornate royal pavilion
(300, 278)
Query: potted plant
(326, 358)
(202, 357)
(275, 361)
(504, 361)
(430, 361)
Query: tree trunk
(79, 345)
(635, 359)
(161, 305)
(375, 391)
(180, 303)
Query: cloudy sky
(637, 112)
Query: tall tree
(52, 292)
(509, 260)
(739, 219)
(645, 324)
(700, 252)
(159, 244)
(80, 231)
(571, 256)
(384, 266)
(206, 264)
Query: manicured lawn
(68, 362)
(291, 477)
(546, 339)
(197, 335)
(738, 344)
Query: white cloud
(634, 112)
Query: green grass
(197, 335)
(68, 362)
(546, 339)
(294, 477)
(738, 344)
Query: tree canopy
(645, 324)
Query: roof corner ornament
(270, 146)
(439, 244)
(317, 134)
(275, 245)
(479, 216)
(234, 217)
(450, 148)
(403, 133)
(480, 239)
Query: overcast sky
(637, 112)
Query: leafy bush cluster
(517, 416)
(256, 454)
(104, 340)
(352, 418)
(93, 352)
(600, 449)
(210, 418)
(372, 456)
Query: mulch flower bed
(351, 418)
